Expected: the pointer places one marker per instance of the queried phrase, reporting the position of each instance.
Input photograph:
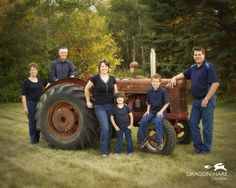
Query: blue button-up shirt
(60, 70)
(201, 78)
(157, 98)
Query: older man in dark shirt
(62, 67)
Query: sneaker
(104, 155)
(143, 143)
(158, 146)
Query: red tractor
(66, 122)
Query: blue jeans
(157, 123)
(33, 132)
(207, 116)
(103, 113)
(128, 138)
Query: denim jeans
(207, 116)
(157, 123)
(127, 133)
(103, 113)
(33, 132)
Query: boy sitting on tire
(157, 103)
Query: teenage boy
(157, 103)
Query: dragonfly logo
(217, 166)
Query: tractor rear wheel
(168, 141)
(64, 119)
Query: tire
(138, 137)
(183, 132)
(169, 139)
(64, 120)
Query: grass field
(26, 165)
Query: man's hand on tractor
(173, 82)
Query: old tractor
(66, 122)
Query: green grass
(26, 165)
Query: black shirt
(157, 99)
(121, 116)
(103, 91)
(33, 90)
(201, 78)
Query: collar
(59, 61)
(155, 90)
(203, 63)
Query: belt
(200, 98)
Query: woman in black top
(31, 91)
(104, 89)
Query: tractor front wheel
(168, 141)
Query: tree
(174, 27)
(87, 38)
(122, 17)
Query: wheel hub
(152, 140)
(63, 119)
(180, 130)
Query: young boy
(157, 102)
(122, 120)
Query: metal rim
(63, 120)
(181, 131)
(151, 145)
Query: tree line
(118, 30)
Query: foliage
(173, 28)
(123, 17)
(32, 31)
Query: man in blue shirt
(62, 67)
(204, 84)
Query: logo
(217, 166)
(219, 172)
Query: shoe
(110, 153)
(197, 151)
(35, 142)
(158, 146)
(143, 143)
(104, 155)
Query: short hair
(120, 94)
(105, 62)
(156, 76)
(62, 47)
(199, 48)
(33, 65)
